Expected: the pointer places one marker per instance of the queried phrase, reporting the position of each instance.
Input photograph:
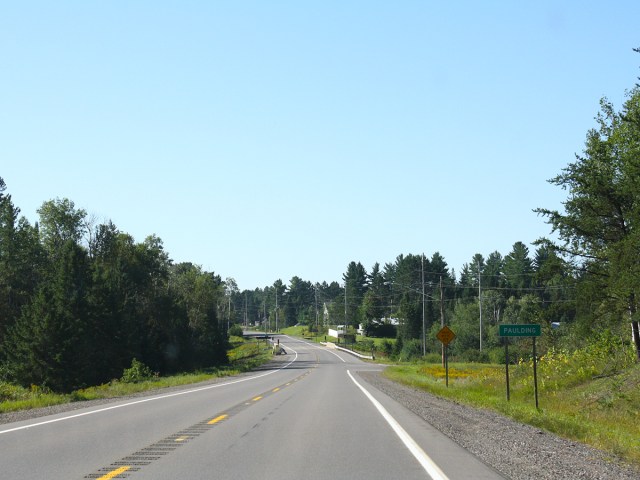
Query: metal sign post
(446, 336)
(535, 372)
(506, 365)
(533, 331)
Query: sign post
(506, 364)
(446, 336)
(532, 330)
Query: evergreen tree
(599, 224)
(355, 281)
(374, 303)
(518, 270)
(21, 263)
(52, 343)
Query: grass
(581, 397)
(298, 331)
(243, 356)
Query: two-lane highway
(312, 416)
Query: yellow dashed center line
(217, 419)
(119, 471)
(114, 473)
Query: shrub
(411, 350)
(12, 392)
(387, 347)
(137, 373)
(496, 355)
(365, 345)
(475, 356)
(397, 347)
(433, 358)
(235, 331)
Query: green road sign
(520, 330)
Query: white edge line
(427, 463)
(319, 348)
(152, 399)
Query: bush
(12, 392)
(387, 347)
(137, 373)
(235, 331)
(474, 356)
(349, 338)
(365, 345)
(496, 355)
(411, 350)
(433, 358)
(397, 347)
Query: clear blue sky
(267, 139)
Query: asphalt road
(312, 416)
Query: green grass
(299, 331)
(579, 399)
(244, 356)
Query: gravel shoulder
(519, 452)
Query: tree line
(414, 296)
(79, 301)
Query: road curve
(309, 416)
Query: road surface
(310, 416)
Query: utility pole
(276, 309)
(442, 317)
(480, 301)
(344, 335)
(316, 298)
(424, 339)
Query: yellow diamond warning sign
(445, 335)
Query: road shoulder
(518, 451)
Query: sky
(264, 140)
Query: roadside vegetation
(591, 395)
(244, 356)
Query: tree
(53, 342)
(61, 221)
(407, 294)
(374, 303)
(231, 291)
(355, 284)
(21, 261)
(599, 225)
(300, 302)
(197, 294)
(518, 269)
(493, 271)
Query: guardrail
(355, 354)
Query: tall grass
(590, 395)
